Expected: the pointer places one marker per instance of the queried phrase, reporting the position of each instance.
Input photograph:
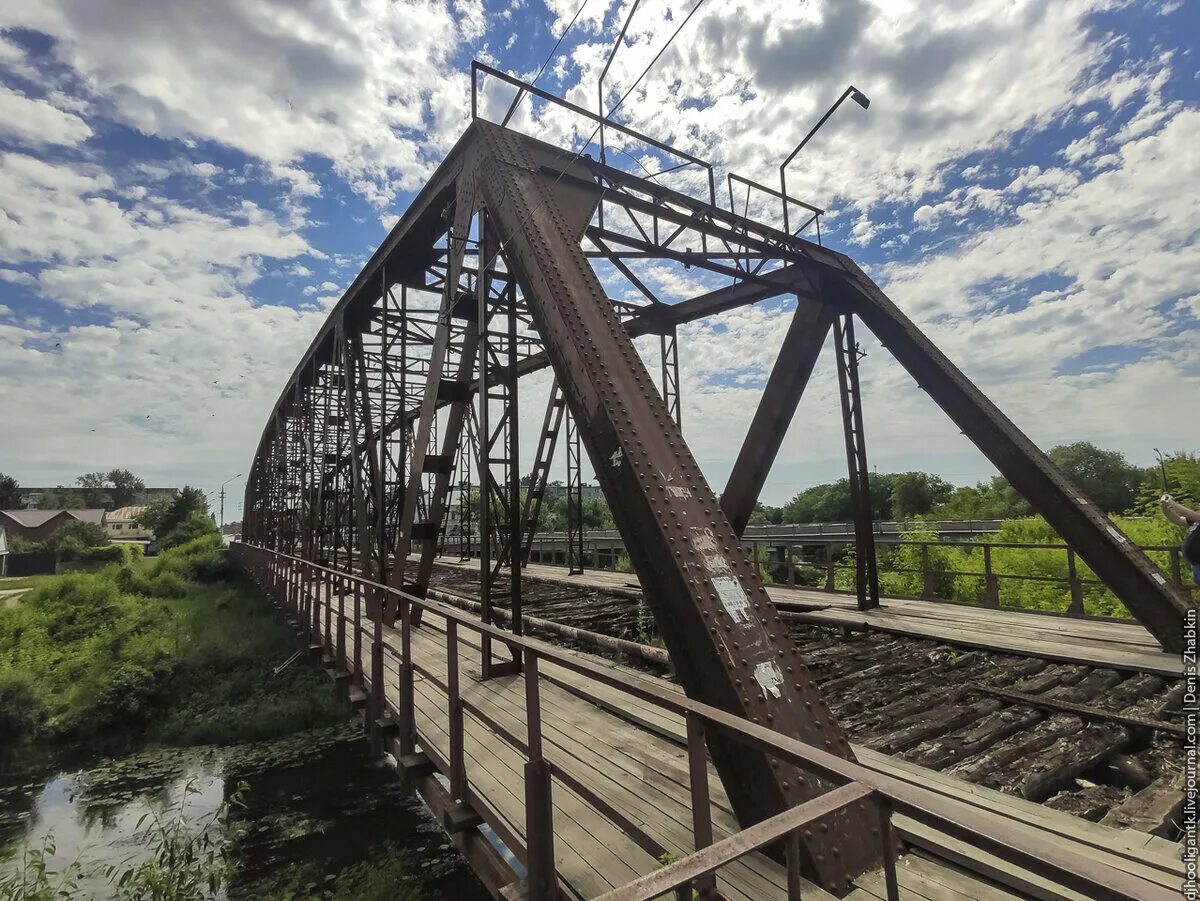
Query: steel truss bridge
(407, 402)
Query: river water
(315, 806)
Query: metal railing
(307, 590)
(986, 585)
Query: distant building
(122, 524)
(38, 525)
(47, 498)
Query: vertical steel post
(574, 498)
(866, 574)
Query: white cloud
(169, 285)
(369, 85)
(36, 123)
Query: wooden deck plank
(629, 752)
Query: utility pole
(221, 525)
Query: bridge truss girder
(355, 486)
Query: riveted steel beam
(727, 644)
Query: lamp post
(223, 484)
(860, 98)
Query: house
(38, 525)
(122, 524)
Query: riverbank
(141, 719)
(174, 650)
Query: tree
(917, 493)
(181, 507)
(10, 493)
(1183, 483)
(93, 487)
(1103, 475)
(125, 487)
(987, 500)
(195, 525)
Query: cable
(596, 130)
(521, 93)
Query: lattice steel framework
(493, 273)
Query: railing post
(1176, 570)
(328, 637)
(791, 565)
(888, 849)
(926, 573)
(408, 739)
(1076, 608)
(377, 707)
(458, 769)
(358, 599)
(792, 852)
(830, 575)
(539, 808)
(701, 803)
(991, 585)
(314, 603)
(341, 624)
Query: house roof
(124, 514)
(32, 519)
(96, 516)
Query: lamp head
(859, 97)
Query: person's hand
(1166, 499)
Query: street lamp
(223, 484)
(860, 98)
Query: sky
(187, 188)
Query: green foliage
(21, 710)
(184, 860)
(987, 500)
(195, 525)
(10, 493)
(1183, 483)
(1105, 476)
(124, 487)
(35, 880)
(73, 538)
(898, 495)
(163, 517)
(148, 645)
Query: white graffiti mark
(679, 491)
(617, 456)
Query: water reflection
(315, 806)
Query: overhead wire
(596, 130)
(553, 50)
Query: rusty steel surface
(489, 276)
(729, 647)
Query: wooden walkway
(632, 754)
(1118, 645)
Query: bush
(74, 538)
(196, 525)
(22, 712)
(109, 553)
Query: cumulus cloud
(369, 85)
(37, 122)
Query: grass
(21, 582)
(176, 650)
